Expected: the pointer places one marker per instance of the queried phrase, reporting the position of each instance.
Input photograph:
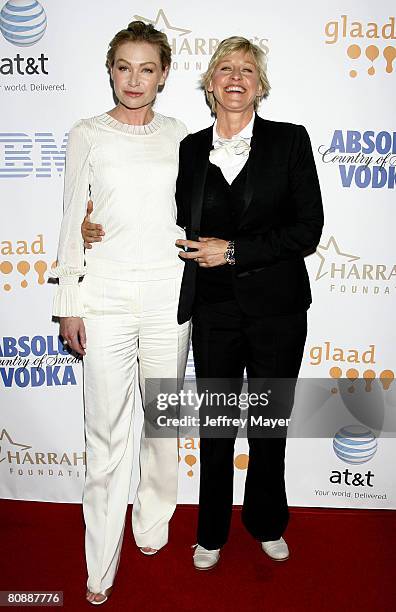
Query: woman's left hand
(209, 251)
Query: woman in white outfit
(122, 315)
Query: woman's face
(235, 82)
(137, 73)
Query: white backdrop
(332, 68)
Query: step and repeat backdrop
(332, 68)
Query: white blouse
(130, 174)
(231, 154)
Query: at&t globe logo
(355, 444)
(23, 22)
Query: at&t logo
(355, 444)
(23, 23)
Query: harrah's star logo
(330, 254)
(162, 23)
(6, 440)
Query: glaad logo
(185, 47)
(30, 266)
(330, 354)
(364, 159)
(357, 35)
(23, 22)
(31, 155)
(189, 453)
(355, 444)
(346, 273)
(36, 463)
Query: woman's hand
(91, 232)
(72, 329)
(209, 251)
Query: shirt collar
(246, 132)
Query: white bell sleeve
(70, 260)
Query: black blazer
(281, 220)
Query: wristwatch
(229, 254)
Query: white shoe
(152, 551)
(276, 549)
(105, 594)
(205, 559)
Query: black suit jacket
(280, 222)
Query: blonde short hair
(226, 47)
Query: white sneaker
(205, 559)
(276, 549)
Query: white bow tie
(228, 151)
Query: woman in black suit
(249, 197)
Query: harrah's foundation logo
(22, 459)
(369, 46)
(346, 273)
(364, 159)
(190, 52)
(23, 24)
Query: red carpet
(341, 560)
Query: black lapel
(201, 162)
(255, 160)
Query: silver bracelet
(229, 254)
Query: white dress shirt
(230, 155)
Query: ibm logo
(23, 155)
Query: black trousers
(225, 342)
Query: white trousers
(127, 324)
